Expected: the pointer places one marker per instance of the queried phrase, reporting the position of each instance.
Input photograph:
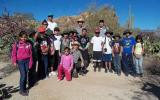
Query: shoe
(99, 69)
(59, 80)
(110, 70)
(23, 93)
(53, 73)
(95, 70)
(50, 74)
(105, 70)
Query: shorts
(97, 56)
(107, 57)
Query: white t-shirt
(97, 43)
(52, 25)
(57, 42)
(107, 44)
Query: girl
(22, 55)
(66, 65)
(138, 53)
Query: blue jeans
(127, 60)
(23, 68)
(45, 62)
(138, 65)
(117, 63)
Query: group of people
(46, 52)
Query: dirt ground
(93, 86)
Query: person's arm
(31, 59)
(82, 60)
(88, 44)
(71, 64)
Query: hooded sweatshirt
(21, 51)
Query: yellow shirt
(138, 48)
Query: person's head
(109, 33)
(75, 45)
(97, 32)
(101, 23)
(139, 39)
(84, 31)
(50, 18)
(66, 50)
(45, 23)
(80, 22)
(65, 35)
(32, 34)
(127, 33)
(117, 37)
(23, 36)
(56, 31)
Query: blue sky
(145, 12)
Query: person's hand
(113, 55)
(60, 54)
(82, 64)
(14, 65)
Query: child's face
(84, 32)
(116, 38)
(56, 32)
(138, 40)
(75, 47)
(23, 38)
(65, 36)
(66, 52)
(101, 24)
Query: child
(44, 46)
(65, 41)
(57, 53)
(127, 48)
(107, 51)
(84, 45)
(32, 72)
(22, 55)
(97, 49)
(66, 65)
(138, 53)
(116, 53)
(76, 56)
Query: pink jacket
(21, 51)
(67, 62)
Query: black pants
(56, 60)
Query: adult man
(51, 23)
(102, 28)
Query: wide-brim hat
(127, 31)
(41, 29)
(109, 32)
(76, 43)
(117, 35)
(80, 20)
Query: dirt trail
(93, 86)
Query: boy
(127, 48)
(65, 41)
(116, 53)
(97, 41)
(107, 51)
(84, 45)
(76, 56)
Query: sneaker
(105, 70)
(110, 70)
(59, 80)
(50, 74)
(53, 73)
(99, 69)
(94, 69)
(23, 93)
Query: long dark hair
(139, 37)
